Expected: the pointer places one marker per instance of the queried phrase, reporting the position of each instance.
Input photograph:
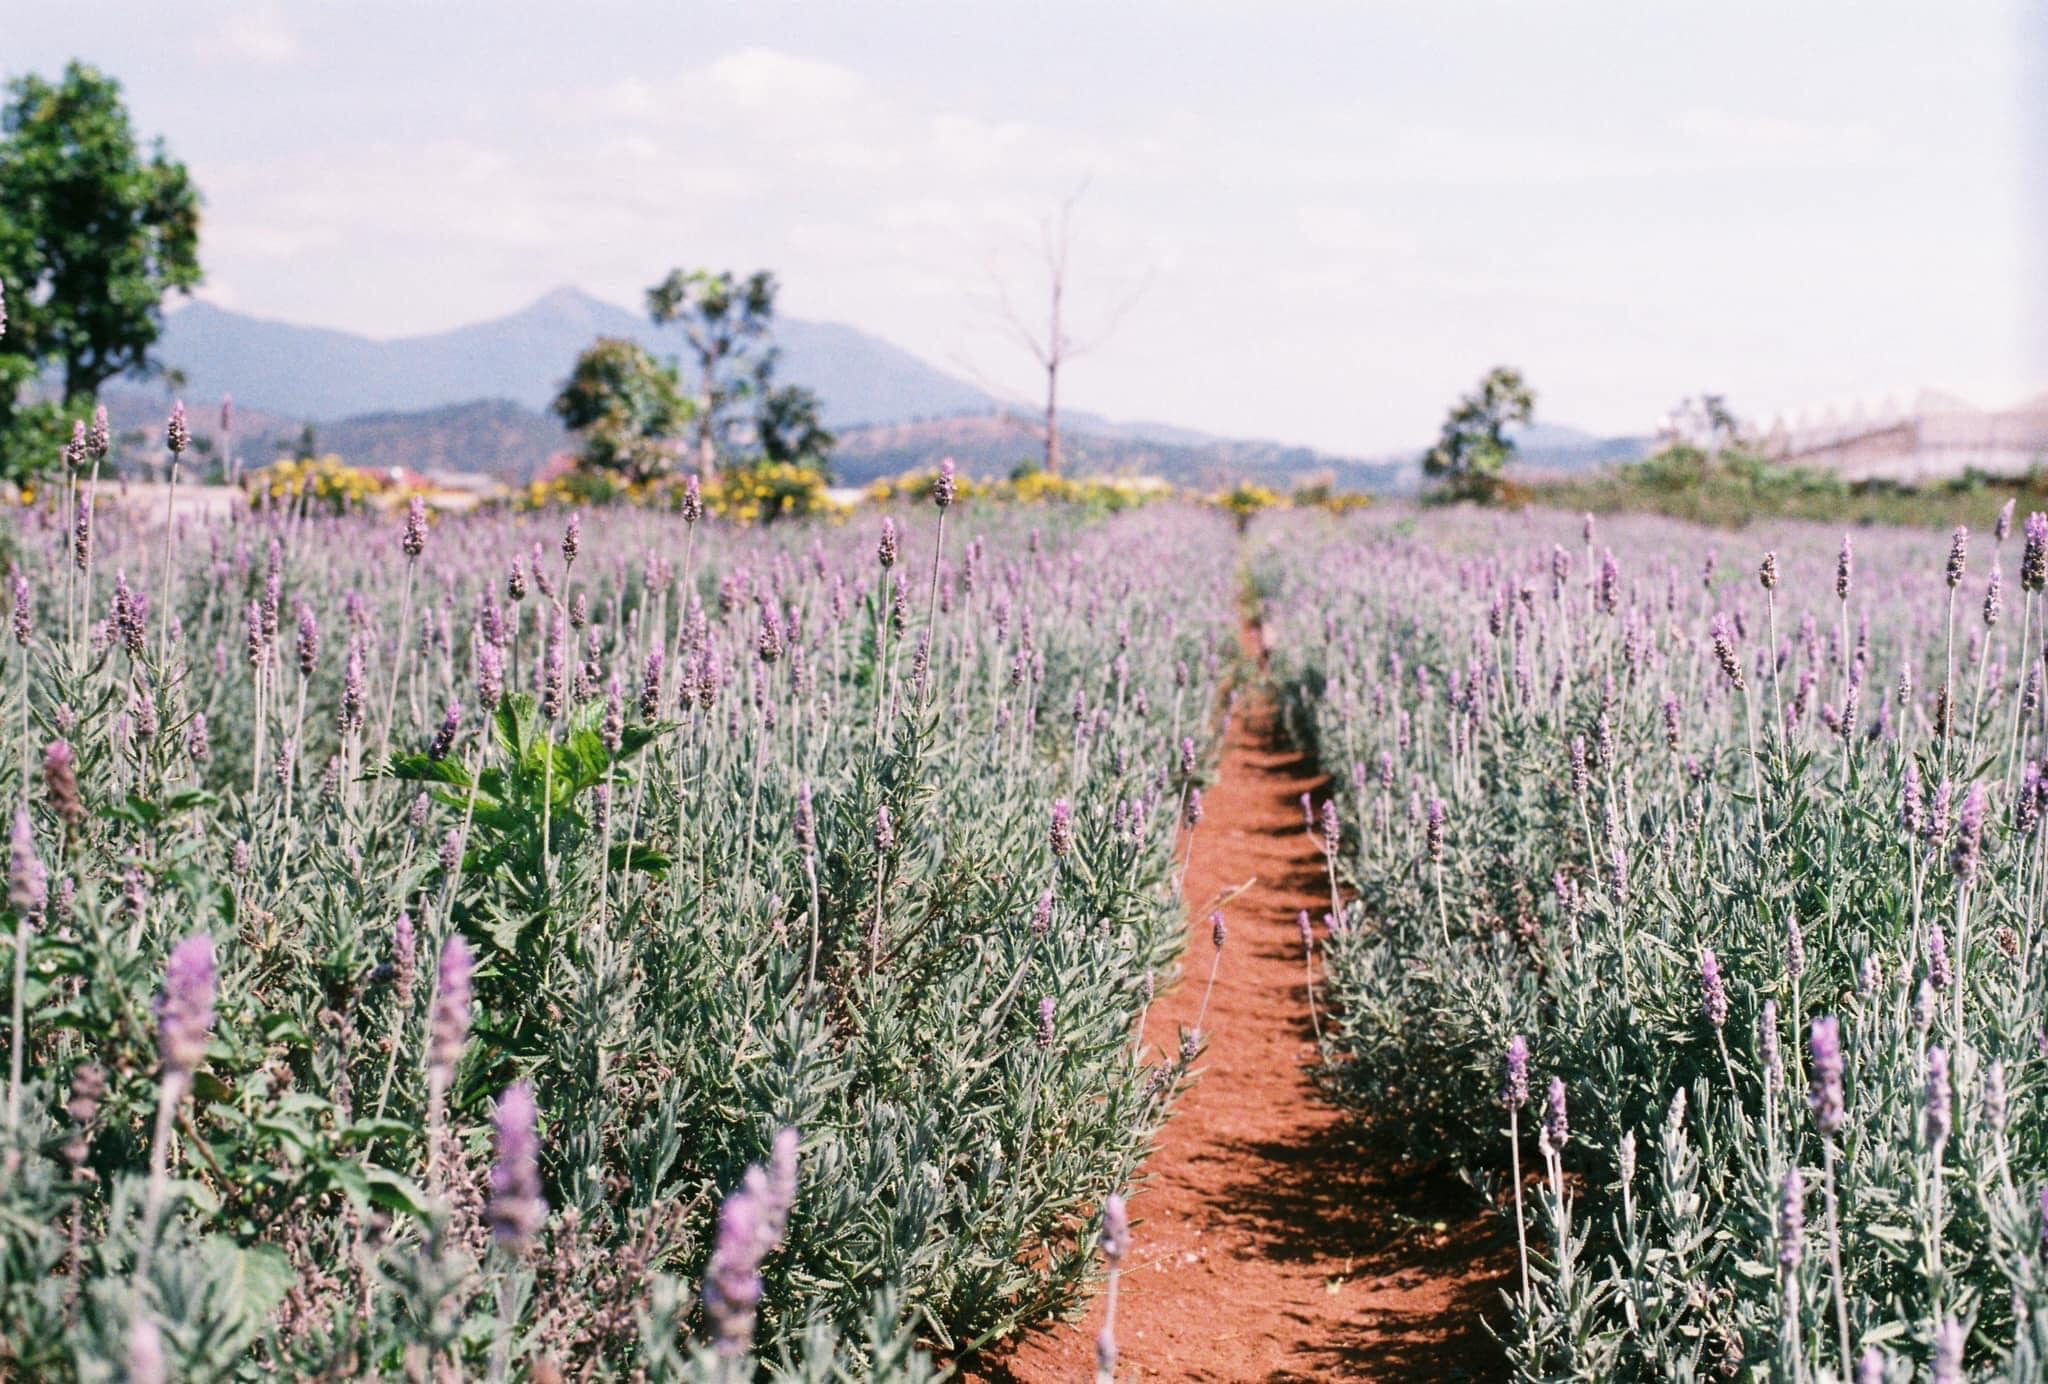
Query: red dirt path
(1272, 1239)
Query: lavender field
(1694, 886)
(571, 945)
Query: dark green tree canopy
(628, 406)
(96, 231)
(1474, 446)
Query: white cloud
(259, 37)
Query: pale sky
(1339, 214)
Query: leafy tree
(726, 321)
(790, 429)
(95, 234)
(628, 406)
(1474, 446)
(1703, 424)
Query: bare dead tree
(1048, 341)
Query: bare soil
(1272, 1237)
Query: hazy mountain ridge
(475, 398)
(318, 374)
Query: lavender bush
(420, 926)
(1747, 848)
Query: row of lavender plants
(1694, 899)
(582, 945)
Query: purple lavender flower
(1767, 572)
(885, 549)
(1514, 1088)
(404, 956)
(444, 738)
(1937, 1096)
(1041, 914)
(177, 433)
(1795, 947)
(1958, 557)
(693, 501)
(1911, 804)
(28, 883)
(1713, 994)
(885, 831)
(750, 1224)
(490, 675)
(612, 727)
(184, 1010)
(308, 640)
(1969, 835)
(1062, 833)
(2034, 555)
(1192, 816)
(1555, 1128)
(413, 541)
(1993, 598)
(1843, 564)
(1948, 1350)
(60, 783)
(650, 686)
(1993, 1099)
(101, 439)
(1187, 757)
(1217, 930)
(448, 1020)
(1433, 831)
(1825, 1097)
(572, 538)
(1045, 1030)
(805, 825)
(1791, 1220)
(1940, 973)
(944, 487)
(516, 1208)
(1723, 637)
(23, 609)
(353, 693)
(145, 1351)
(1116, 1230)
(1767, 1048)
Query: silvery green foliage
(1646, 753)
(677, 969)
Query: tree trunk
(1052, 419)
(707, 455)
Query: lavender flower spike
(750, 1224)
(1555, 1128)
(1969, 835)
(184, 1011)
(1791, 1221)
(1825, 1043)
(28, 883)
(1713, 993)
(516, 1207)
(1062, 832)
(1937, 1096)
(1514, 1089)
(414, 540)
(450, 1016)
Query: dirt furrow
(1273, 1238)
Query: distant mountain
(992, 444)
(1553, 447)
(318, 375)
